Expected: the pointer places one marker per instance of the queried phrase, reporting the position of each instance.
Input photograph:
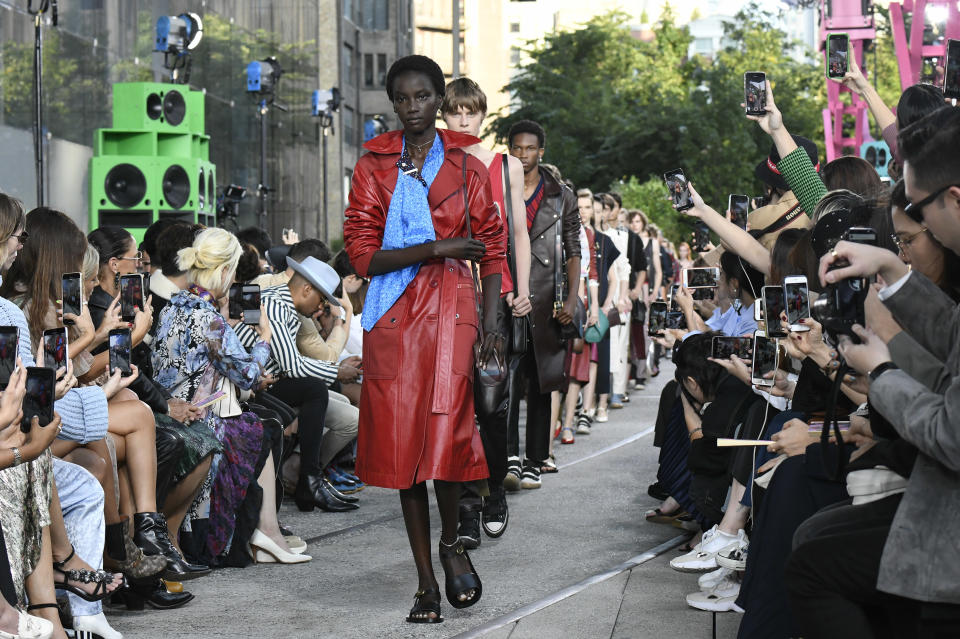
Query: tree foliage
(620, 112)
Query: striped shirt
(83, 410)
(285, 358)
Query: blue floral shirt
(193, 335)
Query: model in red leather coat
(416, 407)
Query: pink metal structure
(912, 52)
(855, 18)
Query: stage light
(263, 76)
(325, 101)
(179, 34)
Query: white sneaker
(733, 556)
(708, 580)
(703, 557)
(720, 598)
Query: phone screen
(773, 305)
(131, 296)
(724, 347)
(234, 299)
(701, 237)
(72, 300)
(673, 297)
(38, 399)
(764, 359)
(675, 319)
(951, 78)
(658, 318)
(120, 351)
(55, 348)
(250, 303)
(9, 341)
(705, 277)
(739, 209)
(677, 185)
(755, 92)
(797, 301)
(837, 49)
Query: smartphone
(673, 297)
(703, 277)
(764, 359)
(951, 77)
(758, 311)
(675, 319)
(38, 400)
(250, 304)
(131, 296)
(55, 349)
(773, 305)
(755, 92)
(861, 235)
(724, 347)
(235, 310)
(838, 48)
(9, 342)
(677, 185)
(71, 285)
(758, 202)
(739, 207)
(701, 237)
(120, 351)
(797, 300)
(657, 321)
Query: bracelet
(17, 458)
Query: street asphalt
(575, 561)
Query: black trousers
(832, 578)
(311, 396)
(603, 365)
(538, 410)
(6, 580)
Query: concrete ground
(576, 561)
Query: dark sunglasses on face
(914, 210)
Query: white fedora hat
(320, 275)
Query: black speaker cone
(154, 106)
(176, 186)
(174, 107)
(201, 190)
(211, 189)
(125, 185)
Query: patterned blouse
(192, 335)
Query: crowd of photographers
(816, 458)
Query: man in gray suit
(919, 559)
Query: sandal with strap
(99, 577)
(420, 607)
(457, 585)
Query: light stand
(323, 105)
(262, 79)
(42, 8)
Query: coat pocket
(466, 331)
(382, 345)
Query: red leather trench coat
(416, 407)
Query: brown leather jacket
(559, 203)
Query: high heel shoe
(122, 555)
(100, 578)
(152, 536)
(312, 492)
(457, 585)
(266, 551)
(565, 438)
(336, 492)
(30, 627)
(93, 626)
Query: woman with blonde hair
(197, 353)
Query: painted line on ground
(569, 591)
(607, 449)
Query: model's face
(415, 102)
(526, 148)
(465, 121)
(636, 225)
(683, 252)
(585, 204)
(612, 214)
(942, 216)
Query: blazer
(925, 525)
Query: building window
(368, 70)
(514, 55)
(382, 69)
(348, 10)
(374, 15)
(348, 65)
(349, 126)
(514, 27)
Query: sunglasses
(22, 238)
(914, 210)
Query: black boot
(122, 555)
(150, 533)
(313, 492)
(152, 592)
(469, 529)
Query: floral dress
(192, 339)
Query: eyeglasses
(914, 210)
(22, 238)
(903, 243)
(136, 257)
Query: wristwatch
(343, 314)
(17, 458)
(881, 369)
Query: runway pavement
(578, 560)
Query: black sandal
(420, 606)
(99, 577)
(459, 584)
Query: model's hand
(460, 248)
(565, 316)
(521, 304)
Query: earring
(116, 279)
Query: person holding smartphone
(741, 285)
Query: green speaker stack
(154, 163)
